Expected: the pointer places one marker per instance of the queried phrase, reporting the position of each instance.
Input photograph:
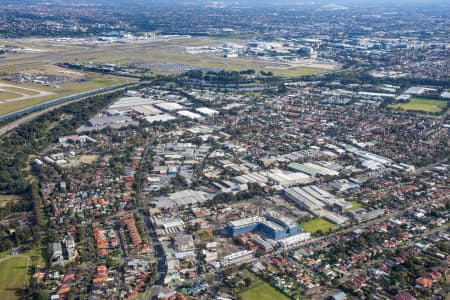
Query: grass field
(65, 89)
(261, 290)
(161, 57)
(104, 81)
(8, 95)
(421, 104)
(296, 71)
(12, 277)
(4, 253)
(171, 51)
(355, 205)
(36, 256)
(23, 91)
(174, 55)
(316, 224)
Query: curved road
(27, 118)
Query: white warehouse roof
(207, 111)
(189, 114)
(160, 118)
(169, 106)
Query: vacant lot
(87, 159)
(261, 290)
(12, 277)
(316, 224)
(4, 199)
(421, 104)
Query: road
(373, 262)
(34, 115)
(153, 237)
(366, 224)
(419, 171)
(159, 252)
(22, 96)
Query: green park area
(421, 104)
(355, 205)
(12, 277)
(35, 255)
(260, 290)
(316, 224)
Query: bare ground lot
(4, 199)
(87, 159)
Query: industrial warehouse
(319, 202)
(271, 225)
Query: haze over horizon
(350, 3)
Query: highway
(40, 109)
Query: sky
(349, 3)
(302, 2)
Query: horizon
(351, 3)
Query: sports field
(12, 277)
(421, 104)
(261, 290)
(316, 224)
